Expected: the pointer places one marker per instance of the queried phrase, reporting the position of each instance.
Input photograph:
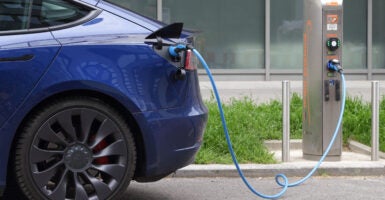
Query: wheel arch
(130, 120)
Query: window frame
(94, 12)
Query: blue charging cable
(285, 184)
(281, 179)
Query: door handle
(25, 57)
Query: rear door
(25, 52)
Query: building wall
(262, 39)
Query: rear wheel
(75, 148)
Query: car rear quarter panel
(169, 112)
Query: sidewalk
(265, 91)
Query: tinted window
(21, 14)
(14, 14)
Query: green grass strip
(250, 124)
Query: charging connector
(334, 65)
(174, 52)
(176, 49)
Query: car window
(55, 12)
(14, 14)
(27, 14)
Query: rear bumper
(172, 137)
(171, 140)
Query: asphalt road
(318, 188)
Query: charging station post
(323, 34)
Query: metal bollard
(286, 121)
(375, 119)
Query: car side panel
(23, 60)
(115, 53)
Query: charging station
(324, 90)
(323, 36)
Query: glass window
(378, 34)
(144, 7)
(354, 55)
(17, 15)
(286, 35)
(14, 14)
(232, 36)
(47, 13)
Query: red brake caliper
(102, 160)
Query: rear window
(27, 14)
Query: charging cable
(280, 179)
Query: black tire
(75, 148)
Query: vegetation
(250, 124)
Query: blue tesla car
(90, 99)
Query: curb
(293, 170)
(351, 167)
(363, 149)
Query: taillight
(190, 61)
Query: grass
(247, 135)
(250, 124)
(357, 122)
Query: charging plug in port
(334, 65)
